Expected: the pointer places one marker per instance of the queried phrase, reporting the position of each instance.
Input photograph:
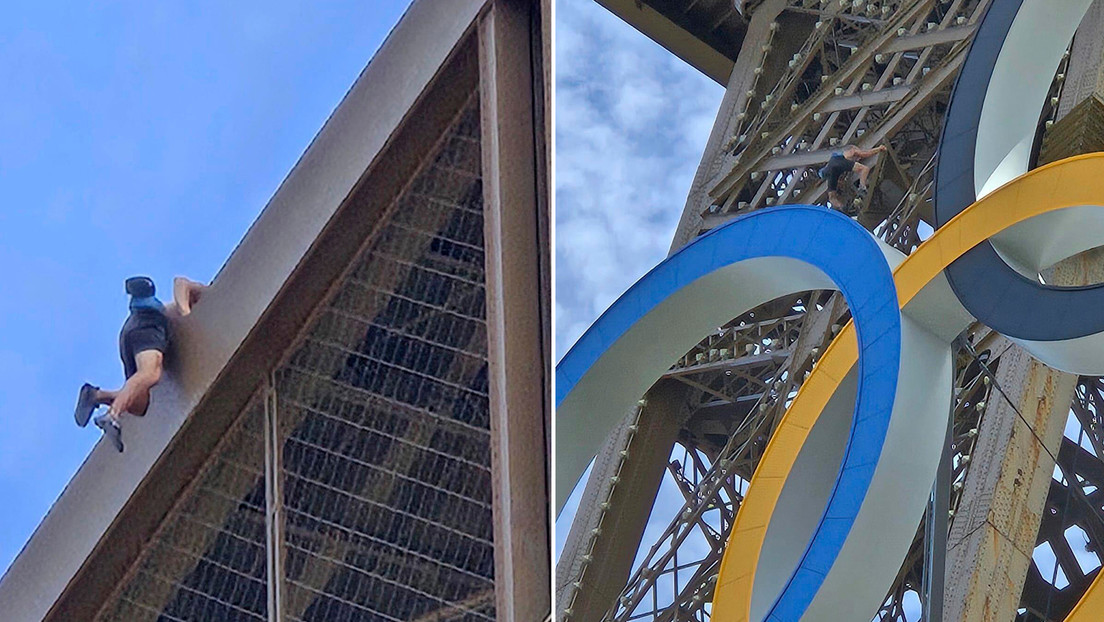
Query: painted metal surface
(1062, 185)
(262, 265)
(723, 274)
(987, 141)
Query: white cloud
(631, 123)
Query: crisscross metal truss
(383, 412)
(829, 73)
(358, 484)
(813, 76)
(208, 558)
(866, 73)
(1067, 554)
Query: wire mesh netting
(384, 414)
(207, 559)
(382, 422)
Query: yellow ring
(1068, 183)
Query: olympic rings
(987, 141)
(723, 274)
(845, 477)
(923, 296)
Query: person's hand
(882, 148)
(196, 293)
(122, 402)
(186, 293)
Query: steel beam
(692, 46)
(724, 184)
(735, 98)
(274, 503)
(616, 504)
(1085, 74)
(516, 355)
(929, 39)
(994, 532)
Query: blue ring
(852, 259)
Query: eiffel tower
(1006, 536)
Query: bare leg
(863, 171)
(133, 398)
(105, 397)
(835, 199)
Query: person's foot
(111, 430)
(86, 403)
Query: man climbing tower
(849, 159)
(143, 342)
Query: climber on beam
(849, 159)
(143, 342)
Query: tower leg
(612, 534)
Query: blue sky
(137, 137)
(632, 121)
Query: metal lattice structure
(208, 560)
(813, 76)
(713, 483)
(864, 74)
(1072, 529)
(353, 421)
(384, 418)
(365, 461)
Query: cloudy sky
(137, 138)
(631, 124)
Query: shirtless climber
(143, 342)
(844, 161)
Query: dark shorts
(143, 330)
(837, 166)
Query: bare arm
(863, 154)
(186, 293)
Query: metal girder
(867, 79)
(929, 39)
(896, 118)
(886, 87)
(718, 490)
(706, 37)
(605, 535)
(861, 100)
(1074, 500)
(855, 65)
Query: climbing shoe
(111, 430)
(86, 403)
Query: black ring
(991, 290)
